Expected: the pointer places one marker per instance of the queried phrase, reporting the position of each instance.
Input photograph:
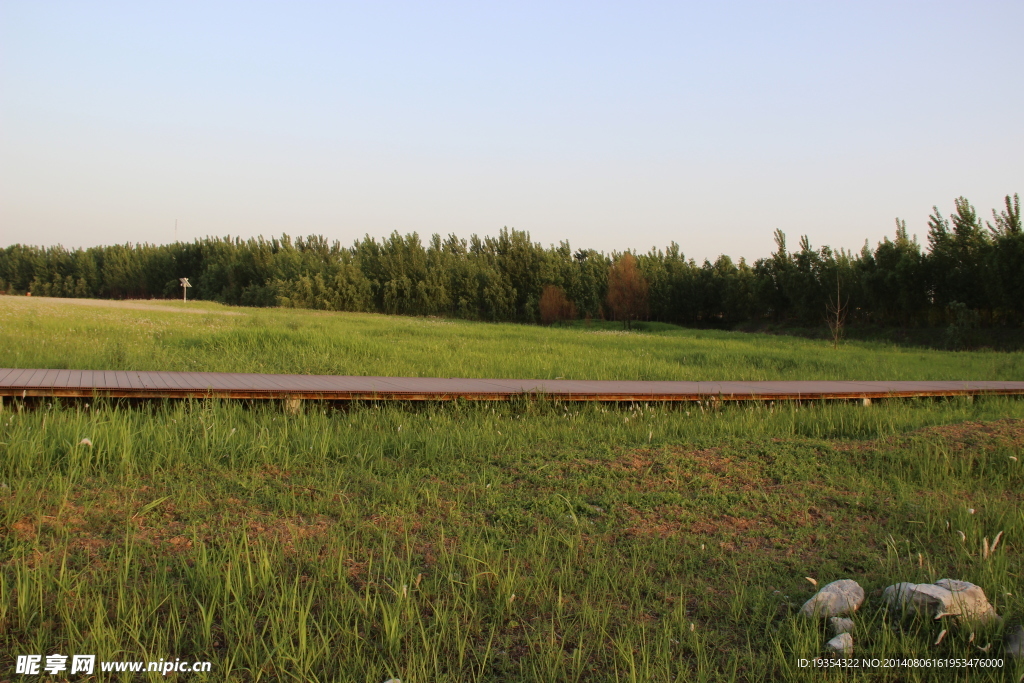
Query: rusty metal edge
(234, 394)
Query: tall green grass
(523, 541)
(530, 541)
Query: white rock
(924, 599)
(834, 600)
(841, 644)
(896, 595)
(947, 597)
(969, 601)
(841, 625)
(1015, 643)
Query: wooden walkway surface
(22, 383)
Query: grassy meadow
(44, 333)
(521, 541)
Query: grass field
(45, 334)
(514, 542)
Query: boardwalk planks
(176, 385)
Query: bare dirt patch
(661, 522)
(24, 530)
(979, 434)
(962, 436)
(730, 502)
(655, 470)
(97, 522)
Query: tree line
(968, 266)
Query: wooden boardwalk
(22, 383)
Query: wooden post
(865, 402)
(293, 406)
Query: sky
(611, 125)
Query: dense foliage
(969, 273)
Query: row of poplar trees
(967, 265)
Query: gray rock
(969, 601)
(947, 597)
(923, 599)
(841, 645)
(841, 625)
(1015, 643)
(834, 600)
(896, 595)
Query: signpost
(184, 288)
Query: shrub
(554, 306)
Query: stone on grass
(896, 595)
(947, 597)
(834, 600)
(841, 625)
(923, 599)
(1015, 643)
(969, 600)
(841, 644)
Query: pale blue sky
(611, 125)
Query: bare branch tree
(836, 318)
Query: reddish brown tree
(554, 306)
(627, 291)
